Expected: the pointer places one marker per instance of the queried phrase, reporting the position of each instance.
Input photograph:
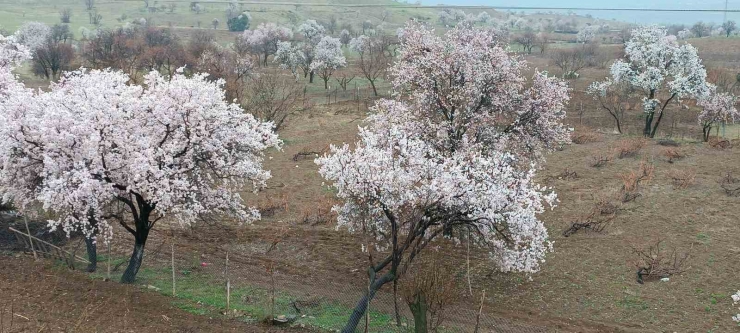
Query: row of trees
(453, 154)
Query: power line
(406, 6)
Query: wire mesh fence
(253, 284)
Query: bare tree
(273, 97)
(543, 42)
(615, 99)
(215, 23)
(95, 17)
(55, 54)
(89, 4)
(385, 15)
(331, 26)
(65, 15)
(171, 7)
(570, 61)
(374, 56)
(700, 29)
(527, 40)
(728, 27)
(146, 3)
(344, 80)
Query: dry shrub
(673, 154)
(602, 214)
(719, 143)
(629, 147)
(655, 262)
(272, 205)
(583, 135)
(730, 185)
(431, 285)
(631, 180)
(668, 143)
(567, 174)
(682, 179)
(307, 153)
(318, 214)
(600, 158)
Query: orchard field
(643, 235)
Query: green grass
(200, 293)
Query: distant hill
(631, 17)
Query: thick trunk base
(92, 254)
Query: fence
(255, 282)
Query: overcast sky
(633, 17)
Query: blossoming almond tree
(662, 69)
(717, 108)
(264, 40)
(455, 152)
(329, 57)
(95, 148)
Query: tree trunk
(359, 311)
(419, 308)
(92, 254)
(326, 83)
(395, 303)
(375, 91)
(648, 125)
(655, 127)
(266, 55)
(310, 77)
(136, 257)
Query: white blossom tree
(587, 34)
(312, 33)
(264, 40)
(12, 53)
(329, 57)
(291, 57)
(717, 108)
(453, 154)
(95, 148)
(33, 34)
(662, 69)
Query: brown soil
(38, 297)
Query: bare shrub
(601, 215)
(570, 61)
(583, 135)
(273, 97)
(668, 143)
(719, 143)
(730, 185)
(673, 154)
(318, 214)
(655, 262)
(629, 147)
(567, 174)
(600, 158)
(682, 179)
(307, 153)
(429, 290)
(272, 205)
(631, 180)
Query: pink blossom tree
(717, 108)
(264, 40)
(329, 57)
(454, 153)
(95, 148)
(662, 69)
